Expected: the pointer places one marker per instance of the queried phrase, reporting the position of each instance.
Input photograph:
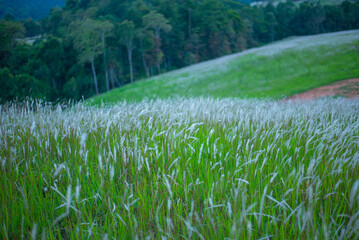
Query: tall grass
(180, 169)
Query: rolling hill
(23, 9)
(273, 71)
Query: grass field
(275, 3)
(274, 71)
(198, 168)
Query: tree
(158, 23)
(9, 31)
(51, 53)
(19, 86)
(284, 15)
(32, 28)
(308, 18)
(351, 14)
(334, 18)
(217, 25)
(7, 83)
(127, 32)
(103, 43)
(54, 23)
(87, 41)
(144, 41)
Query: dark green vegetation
(274, 71)
(180, 169)
(93, 46)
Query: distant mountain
(23, 9)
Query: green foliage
(32, 28)
(27, 86)
(6, 83)
(309, 18)
(87, 37)
(51, 53)
(19, 86)
(126, 31)
(157, 22)
(9, 31)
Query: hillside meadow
(185, 168)
(274, 71)
(210, 151)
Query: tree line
(91, 46)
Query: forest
(92, 46)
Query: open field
(273, 71)
(180, 169)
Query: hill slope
(23, 9)
(273, 71)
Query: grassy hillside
(297, 2)
(273, 71)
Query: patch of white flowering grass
(180, 169)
